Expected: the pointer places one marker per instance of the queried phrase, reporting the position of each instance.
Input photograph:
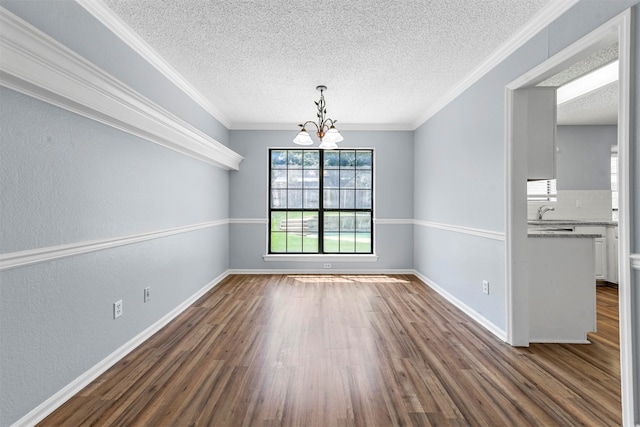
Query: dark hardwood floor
(341, 350)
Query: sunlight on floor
(325, 278)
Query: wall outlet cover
(117, 309)
(485, 287)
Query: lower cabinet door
(601, 258)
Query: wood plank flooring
(341, 350)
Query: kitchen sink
(550, 230)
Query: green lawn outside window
(321, 201)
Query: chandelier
(326, 131)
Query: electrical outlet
(117, 309)
(485, 287)
(147, 294)
(327, 266)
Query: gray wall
(459, 181)
(393, 183)
(67, 179)
(583, 160)
(459, 169)
(68, 22)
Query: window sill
(320, 258)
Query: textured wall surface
(583, 161)
(72, 180)
(459, 166)
(460, 181)
(66, 179)
(458, 263)
(67, 22)
(393, 183)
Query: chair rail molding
(487, 234)
(35, 64)
(35, 256)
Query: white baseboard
(54, 402)
(557, 341)
(51, 404)
(465, 308)
(321, 271)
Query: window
(542, 190)
(320, 201)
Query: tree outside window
(320, 201)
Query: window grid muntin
(357, 160)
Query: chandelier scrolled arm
(325, 128)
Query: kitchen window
(320, 201)
(543, 190)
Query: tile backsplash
(576, 204)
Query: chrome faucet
(543, 210)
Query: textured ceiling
(584, 66)
(385, 62)
(599, 107)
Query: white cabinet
(611, 274)
(562, 292)
(602, 257)
(540, 135)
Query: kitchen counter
(566, 228)
(563, 234)
(562, 289)
(570, 222)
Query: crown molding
(539, 22)
(377, 127)
(35, 64)
(109, 19)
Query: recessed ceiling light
(588, 83)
